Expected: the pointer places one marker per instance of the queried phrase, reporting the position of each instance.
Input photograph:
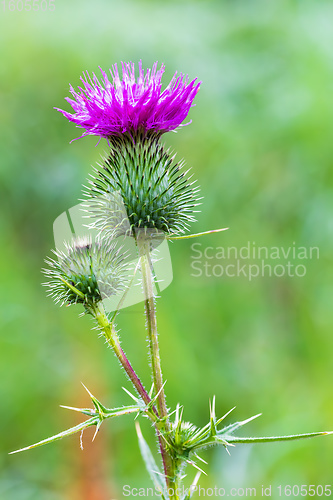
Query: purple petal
(117, 106)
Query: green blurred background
(260, 146)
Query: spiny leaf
(68, 432)
(293, 437)
(150, 463)
(99, 414)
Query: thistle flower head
(116, 106)
(86, 273)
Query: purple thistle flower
(131, 105)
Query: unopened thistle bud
(86, 273)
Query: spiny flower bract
(87, 272)
(155, 191)
(117, 106)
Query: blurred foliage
(260, 146)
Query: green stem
(113, 340)
(143, 243)
(148, 289)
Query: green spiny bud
(155, 191)
(86, 273)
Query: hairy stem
(143, 243)
(113, 340)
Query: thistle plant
(138, 191)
